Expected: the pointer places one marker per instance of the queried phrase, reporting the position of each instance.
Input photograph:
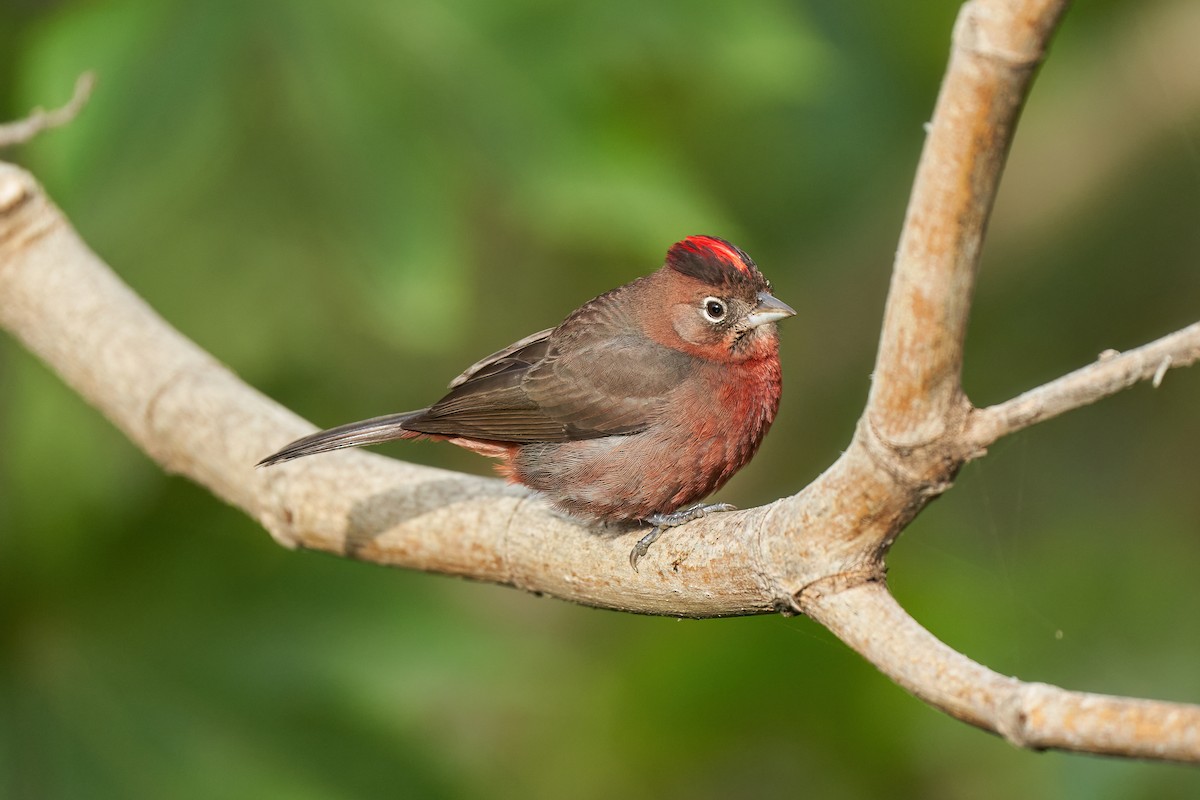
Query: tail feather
(355, 434)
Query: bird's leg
(683, 515)
(663, 521)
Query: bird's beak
(769, 309)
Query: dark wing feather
(487, 400)
(595, 375)
(525, 351)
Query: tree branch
(1112, 373)
(818, 552)
(39, 120)
(1032, 715)
(195, 418)
(916, 395)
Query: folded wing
(591, 377)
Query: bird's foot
(663, 521)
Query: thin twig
(22, 130)
(1106, 376)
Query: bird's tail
(355, 434)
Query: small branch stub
(1161, 372)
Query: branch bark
(819, 552)
(916, 396)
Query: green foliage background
(347, 203)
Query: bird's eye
(714, 310)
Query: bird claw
(663, 521)
(643, 546)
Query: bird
(639, 404)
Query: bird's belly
(658, 470)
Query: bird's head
(715, 304)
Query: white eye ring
(713, 309)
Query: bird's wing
(528, 350)
(574, 382)
(604, 385)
